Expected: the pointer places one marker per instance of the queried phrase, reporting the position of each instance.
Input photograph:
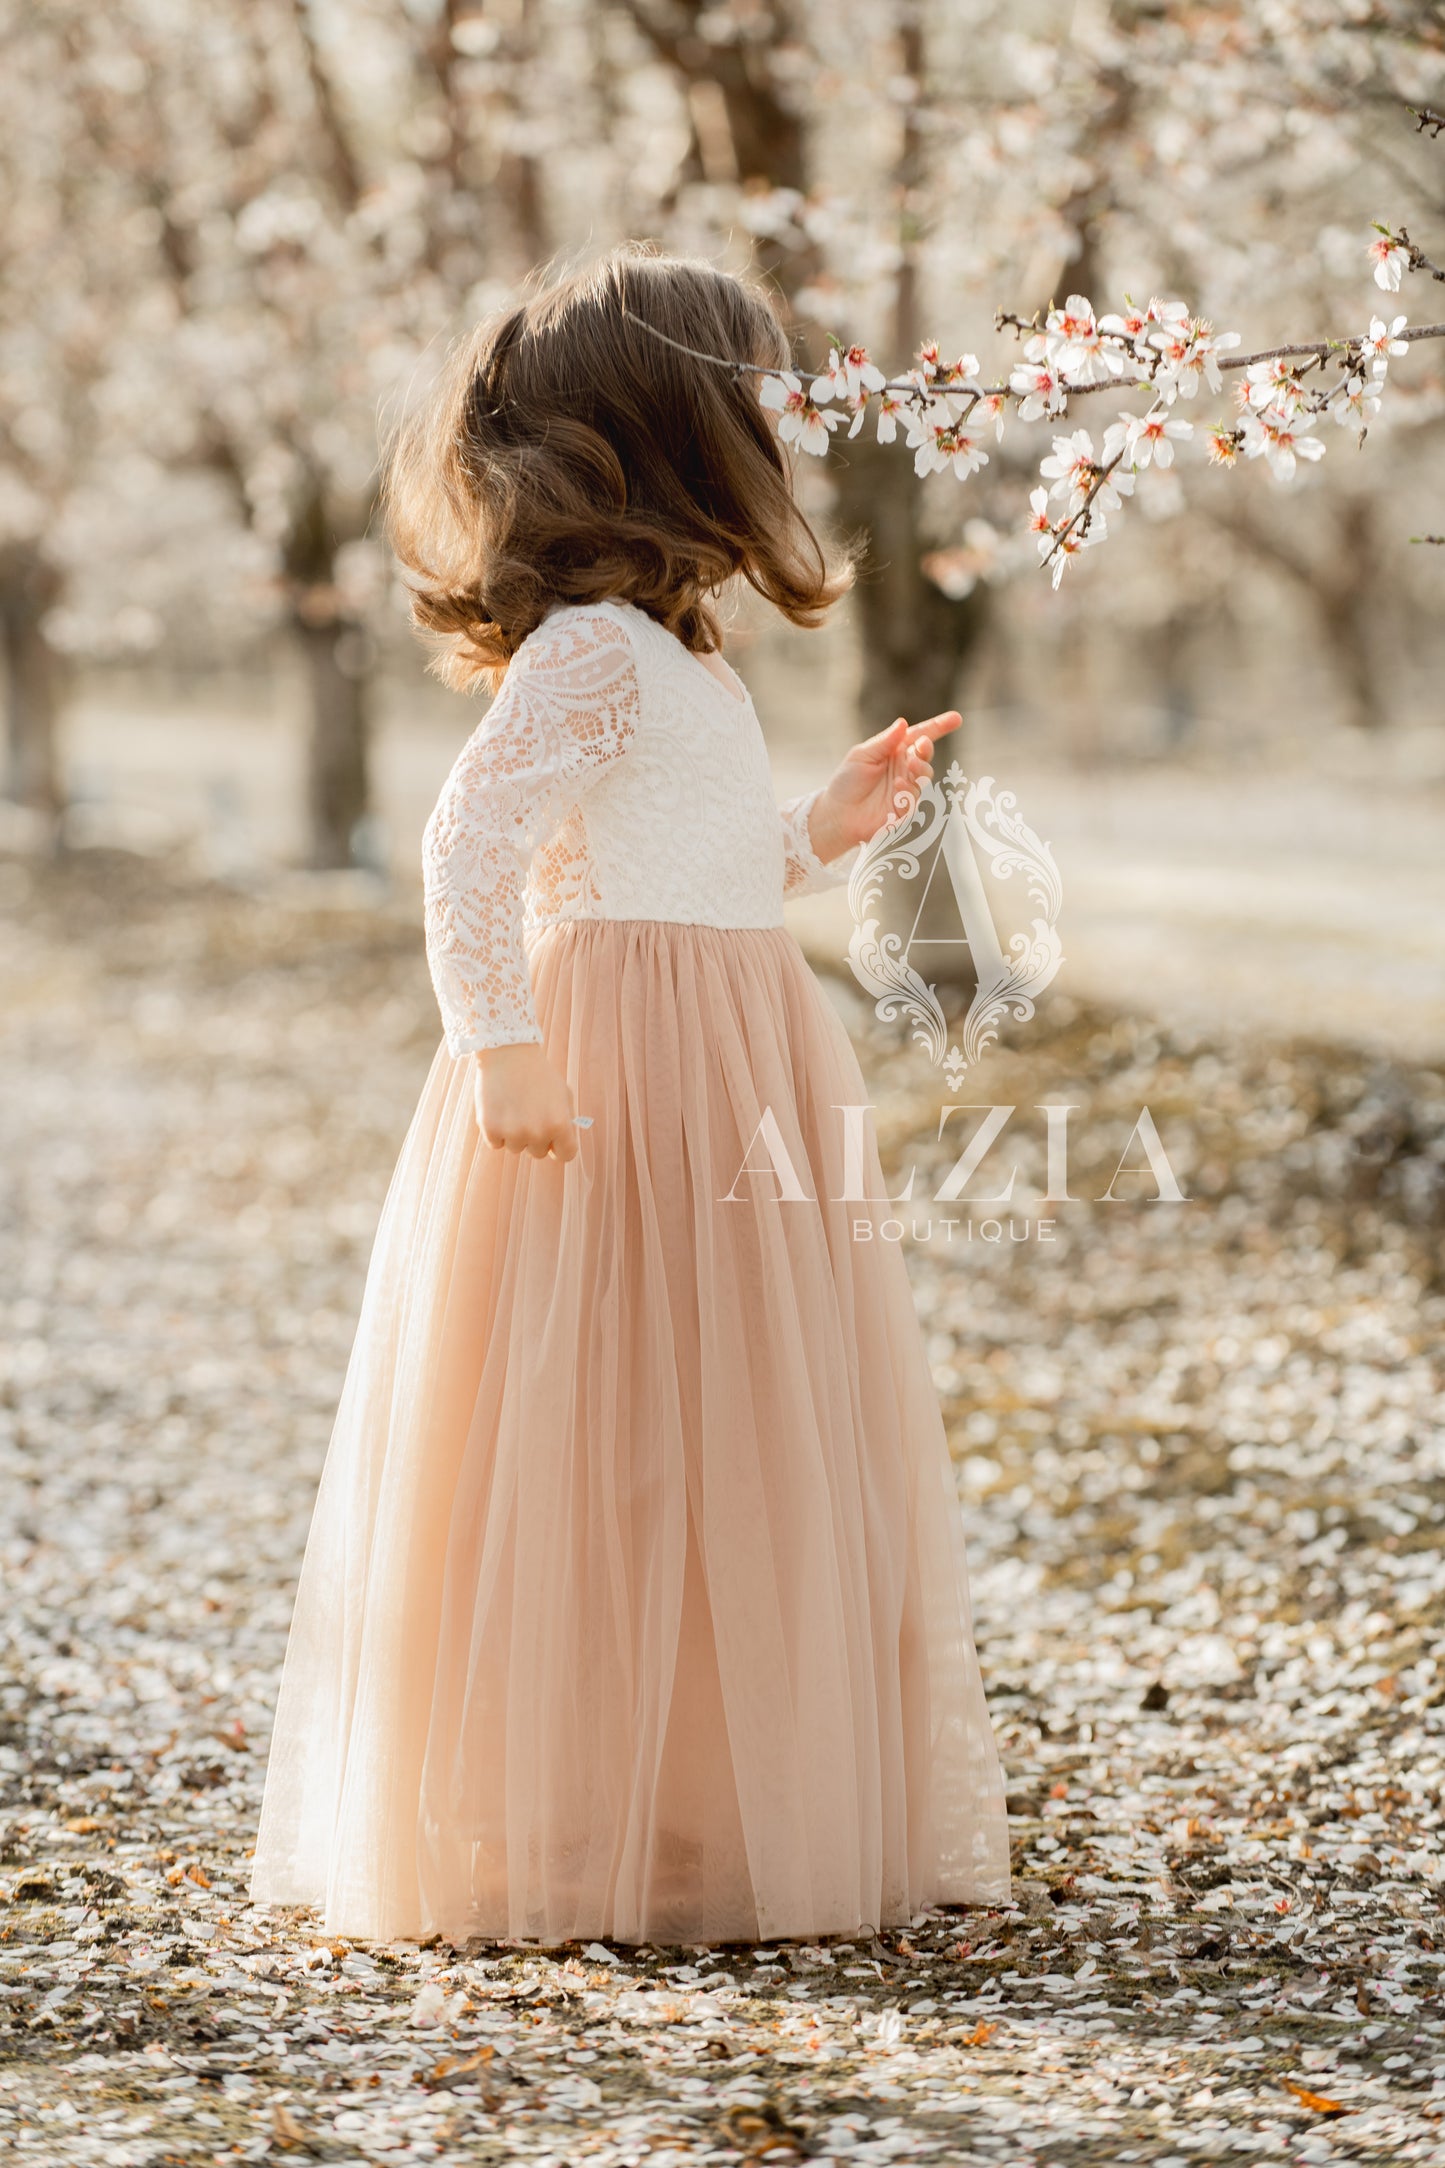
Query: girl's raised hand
(876, 783)
(523, 1104)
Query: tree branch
(346, 175)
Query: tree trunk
(1340, 576)
(1350, 597)
(336, 767)
(335, 648)
(915, 638)
(28, 588)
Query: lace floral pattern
(614, 776)
(567, 710)
(804, 872)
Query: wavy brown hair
(570, 455)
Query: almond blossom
(1071, 467)
(962, 371)
(802, 422)
(934, 376)
(1390, 261)
(1274, 383)
(1381, 341)
(1357, 402)
(1136, 323)
(890, 406)
(938, 443)
(1067, 543)
(1142, 437)
(1132, 325)
(947, 409)
(1188, 356)
(991, 406)
(1115, 483)
(851, 375)
(1277, 437)
(1037, 384)
(1074, 341)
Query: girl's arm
(566, 710)
(873, 786)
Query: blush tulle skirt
(635, 1604)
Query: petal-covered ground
(1201, 1451)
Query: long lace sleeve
(567, 709)
(804, 871)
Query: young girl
(634, 1603)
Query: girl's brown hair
(569, 455)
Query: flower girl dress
(635, 1602)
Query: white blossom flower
(1279, 438)
(992, 407)
(1356, 402)
(1113, 488)
(938, 443)
(1038, 387)
(1067, 544)
(1167, 312)
(1077, 346)
(1132, 328)
(933, 374)
(851, 374)
(1189, 356)
(926, 420)
(1381, 341)
(1223, 445)
(1390, 261)
(801, 421)
(1146, 437)
(1071, 468)
(1131, 325)
(1274, 382)
(890, 406)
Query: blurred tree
(331, 185)
(234, 232)
(916, 634)
(29, 589)
(1233, 156)
(748, 80)
(54, 318)
(294, 240)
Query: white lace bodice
(613, 776)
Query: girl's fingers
(883, 743)
(903, 737)
(937, 726)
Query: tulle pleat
(635, 1602)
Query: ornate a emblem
(972, 826)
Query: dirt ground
(1202, 1460)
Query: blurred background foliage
(237, 234)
